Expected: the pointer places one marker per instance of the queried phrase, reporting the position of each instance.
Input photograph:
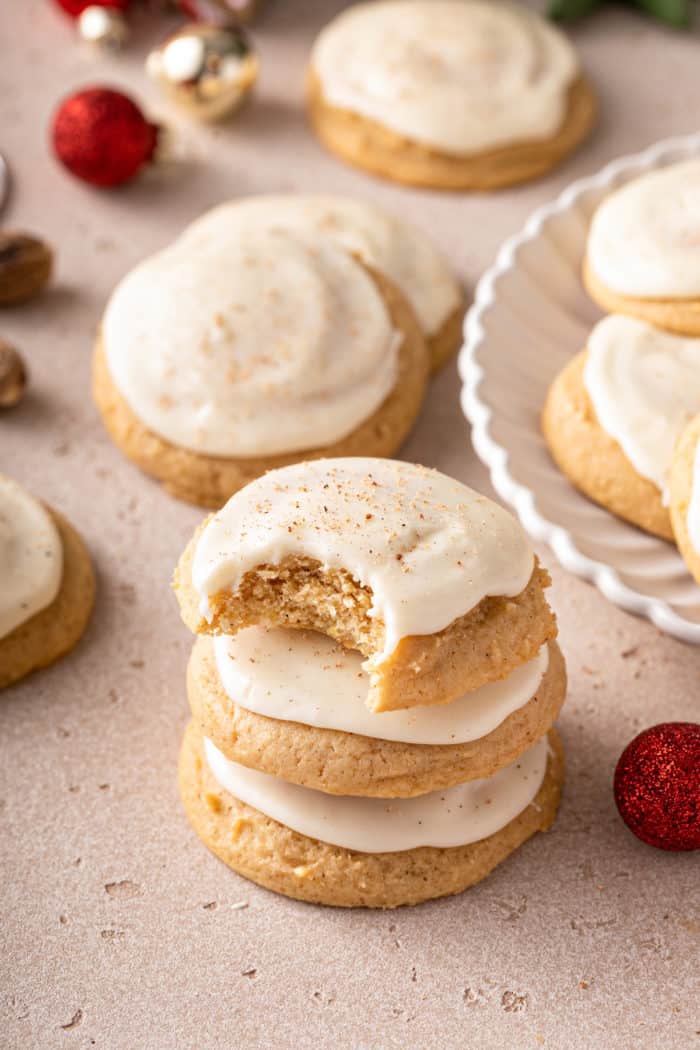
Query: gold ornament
(103, 26)
(208, 70)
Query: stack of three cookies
(373, 685)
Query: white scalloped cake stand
(530, 315)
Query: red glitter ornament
(102, 136)
(75, 8)
(657, 786)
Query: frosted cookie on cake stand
(613, 415)
(435, 585)
(47, 584)
(449, 94)
(684, 486)
(643, 251)
(226, 356)
(390, 246)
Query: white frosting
(645, 238)
(31, 556)
(269, 343)
(428, 547)
(693, 516)
(644, 385)
(393, 247)
(458, 76)
(301, 676)
(444, 819)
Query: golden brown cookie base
(592, 460)
(375, 148)
(209, 481)
(485, 645)
(681, 490)
(681, 316)
(445, 343)
(282, 860)
(54, 631)
(346, 764)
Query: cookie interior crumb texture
(485, 645)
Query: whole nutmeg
(25, 266)
(13, 376)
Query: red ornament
(657, 786)
(75, 8)
(102, 136)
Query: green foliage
(675, 13)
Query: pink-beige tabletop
(119, 930)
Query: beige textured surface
(116, 920)
(593, 460)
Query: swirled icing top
(644, 240)
(428, 547)
(393, 247)
(301, 676)
(274, 342)
(31, 556)
(645, 386)
(461, 76)
(451, 817)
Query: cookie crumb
(75, 1020)
(123, 890)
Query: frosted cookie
(47, 584)
(292, 704)
(643, 253)
(388, 245)
(612, 417)
(685, 495)
(448, 93)
(365, 852)
(220, 361)
(435, 585)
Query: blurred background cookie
(392, 246)
(239, 350)
(643, 252)
(449, 94)
(685, 495)
(613, 415)
(47, 584)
